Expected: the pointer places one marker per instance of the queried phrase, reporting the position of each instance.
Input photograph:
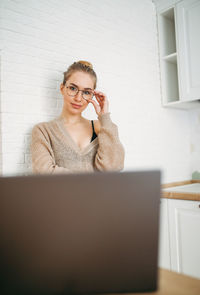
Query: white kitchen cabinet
(188, 32)
(184, 236)
(162, 5)
(179, 46)
(164, 252)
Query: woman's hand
(103, 105)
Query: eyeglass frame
(78, 91)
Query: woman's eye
(72, 88)
(86, 92)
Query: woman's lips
(76, 106)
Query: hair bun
(86, 63)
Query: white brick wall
(40, 39)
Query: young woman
(70, 143)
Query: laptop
(84, 233)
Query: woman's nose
(78, 96)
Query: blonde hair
(83, 66)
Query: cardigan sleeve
(43, 160)
(110, 154)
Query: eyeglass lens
(72, 91)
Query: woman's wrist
(104, 118)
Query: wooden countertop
(172, 283)
(191, 196)
(177, 284)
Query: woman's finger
(96, 106)
(99, 100)
(99, 93)
(101, 96)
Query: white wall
(195, 142)
(40, 39)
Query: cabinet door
(184, 228)
(188, 32)
(164, 253)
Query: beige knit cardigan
(54, 151)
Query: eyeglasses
(73, 90)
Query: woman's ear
(62, 87)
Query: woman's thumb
(94, 104)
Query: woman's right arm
(43, 160)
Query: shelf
(168, 56)
(169, 14)
(167, 27)
(171, 58)
(183, 105)
(170, 80)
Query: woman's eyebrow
(84, 88)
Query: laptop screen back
(79, 234)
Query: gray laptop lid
(79, 234)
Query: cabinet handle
(199, 205)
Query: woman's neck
(71, 119)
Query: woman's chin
(76, 111)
